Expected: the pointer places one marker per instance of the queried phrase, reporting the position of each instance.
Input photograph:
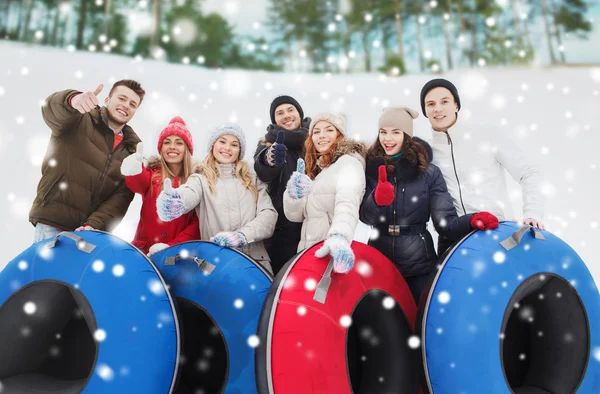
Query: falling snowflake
(499, 257)
(105, 372)
(156, 287)
(100, 335)
(346, 321)
(98, 266)
(29, 308)
(118, 270)
(310, 284)
(23, 265)
(238, 303)
(388, 302)
(444, 297)
(414, 342)
(253, 341)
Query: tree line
(308, 35)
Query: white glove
(169, 205)
(132, 164)
(157, 248)
(339, 248)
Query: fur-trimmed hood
(153, 162)
(351, 147)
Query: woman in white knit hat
(326, 199)
(400, 209)
(233, 206)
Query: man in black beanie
(274, 162)
(473, 160)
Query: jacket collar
(130, 138)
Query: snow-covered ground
(553, 113)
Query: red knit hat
(177, 127)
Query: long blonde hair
(186, 169)
(210, 169)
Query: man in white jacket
(473, 161)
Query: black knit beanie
(285, 100)
(439, 83)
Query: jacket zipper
(394, 220)
(108, 161)
(424, 244)
(455, 172)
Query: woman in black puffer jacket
(400, 209)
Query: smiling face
(287, 116)
(122, 104)
(173, 149)
(391, 140)
(226, 149)
(441, 109)
(324, 135)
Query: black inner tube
(46, 340)
(204, 360)
(379, 358)
(546, 338)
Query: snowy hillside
(553, 113)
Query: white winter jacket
(334, 203)
(475, 158)
(232, 208)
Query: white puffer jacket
(232, 208)
(480, 155)
(334, 203)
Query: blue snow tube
(86, 312)
(513, 310)
(220, 293)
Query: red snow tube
(356, 336)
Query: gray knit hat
(231, 129)
(336, 119)
(398, 117)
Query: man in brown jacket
(82, 187)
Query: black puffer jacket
(417, 197)
(282, 246)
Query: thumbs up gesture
(299, 185)
(275, 155)
(133, 164)
(169, 205)
(85, 102)
(384, 192)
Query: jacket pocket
(52, 190)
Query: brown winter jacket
(81, 174)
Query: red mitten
(483, 221)
(384, 192)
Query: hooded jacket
(333, 205)
(417, 197)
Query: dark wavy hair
(413, 151)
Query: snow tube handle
(516, 237)
(202, 264)
(324, 283)
(80, 242)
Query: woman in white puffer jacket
(233, 206)
(327, 198)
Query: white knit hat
(231, 129)
(336, 119)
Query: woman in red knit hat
(175, 163)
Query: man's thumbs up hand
(85, 102)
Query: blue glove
(169, 204)
(339, 248)
(275, 154)
(299, 185)
(230, 239)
